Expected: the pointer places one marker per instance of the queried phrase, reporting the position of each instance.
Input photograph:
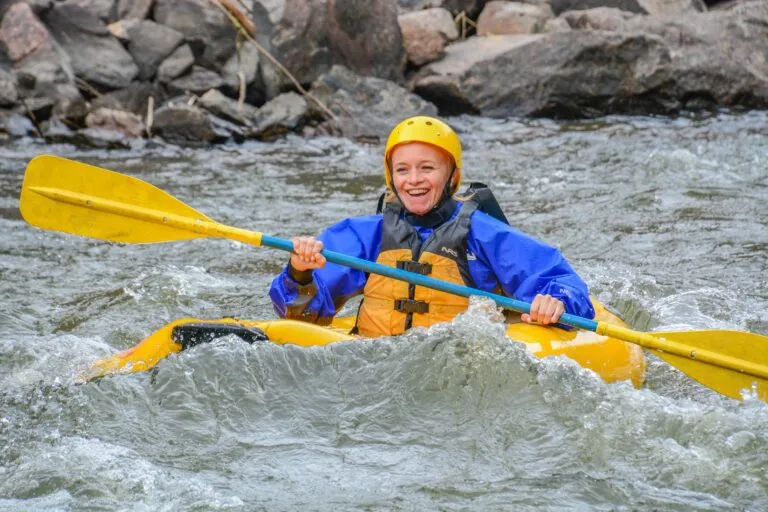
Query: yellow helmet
(430, 131)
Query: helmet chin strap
(446, 190)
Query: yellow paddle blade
(727, 345)
(52, 185)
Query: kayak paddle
(69, 196)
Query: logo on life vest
(471, 256)
(450, 251)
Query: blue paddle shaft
(428, 282)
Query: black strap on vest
(411, 306)
(486, 201)
(414, 266)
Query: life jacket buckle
(414, 266)
(411, 306)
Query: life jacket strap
(411, 306)
(414, 266)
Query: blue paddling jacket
(499, 259)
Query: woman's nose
(414, 176)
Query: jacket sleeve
(525, 266)
(331, 286)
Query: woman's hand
(545, 309)
(306, 253)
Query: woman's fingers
(306, 253)
(545, 310)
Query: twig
(150, 115)
(462, 20)
(242, 22)
(32, 117)
(241, 90)
(244, 7)
(82, 84)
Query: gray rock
(136, 9)
(367, 107)
(177, 63)
(184, 125)
(512, 18)
(9, 94)
(126, 123)
(225, 131)
(245, 61)
(134, 98)
(38, 108)
(649, 65)
(96, 56)
(221, 106)
(89, 138)
(286, 113)
(44, 78)
(366, 38)
(14, 124)
(567, 74)
(309, 37)
(208, 31)
(149, 44)
(197, 81)
(122, 29)
(601, 18)
(665, 8)
(105, 10)
(69, 104)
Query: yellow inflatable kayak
(612, 359)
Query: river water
(665, 219)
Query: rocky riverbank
(105, 72)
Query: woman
(425, 228)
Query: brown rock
(500, 17)
(425, 34)
(121, 121)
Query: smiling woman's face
(419, 174)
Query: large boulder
(500, 17)
(9, 94)
(134, 9)
(366, 108)
(121, 121)
(184, 125)
(242, 70)
(286, 113)
(135, 98)
(208, 30)
(179, 62)
(105, 10)
(309, 36)
(44, 78)
(226, 108)
(197, 81)
(96, 56)
(425, 34)
(651, 65)
(149, 44)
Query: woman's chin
(418, 209)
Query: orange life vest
(390, 306)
